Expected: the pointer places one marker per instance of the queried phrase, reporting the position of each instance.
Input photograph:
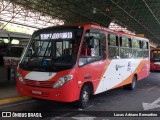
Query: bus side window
(113, 46)
(145, 49)
(125, 48)
(93, 48)
(137, 49)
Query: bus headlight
(20, 78)
(62, 81)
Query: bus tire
(132, 85)
(84, 97)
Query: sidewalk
(7, 88)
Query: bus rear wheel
(84, 97)
(132, 85)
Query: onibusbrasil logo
(18, 114)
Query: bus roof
(94, 26)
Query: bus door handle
(87, 76)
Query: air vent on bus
(43, 84)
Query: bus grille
(42, 84)
(158, 67)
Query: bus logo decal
(119, 66)
(37, 83)
(50, 73)
(129, 66)
(45, 63)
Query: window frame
(134, 44)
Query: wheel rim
(134, 84)
(85, 97)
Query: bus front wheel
(84, 97)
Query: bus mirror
(91, 42)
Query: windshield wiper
(58, 51)
(34, 54)
(47, 48)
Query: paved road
(118, 101)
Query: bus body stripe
(117, 72)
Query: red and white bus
(155, 59)
(72, 62)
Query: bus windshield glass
(155, 55)
(52, 49)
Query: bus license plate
(36, 92)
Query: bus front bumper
(59, 94)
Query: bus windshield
(52, 50)
(155, 55)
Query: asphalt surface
(105, 106)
